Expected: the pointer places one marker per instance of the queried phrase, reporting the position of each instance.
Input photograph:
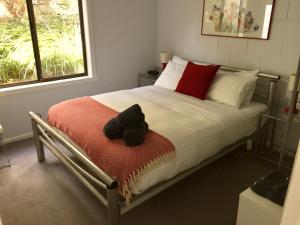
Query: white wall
(124, 38)
(128, 34)
(179, 31)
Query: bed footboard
(38, 144)
(86, 171)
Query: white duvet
(198, 129)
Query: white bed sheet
(198, 129)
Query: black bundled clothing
(112, 129)
(129, 125)
(134, 134)
(130, 116)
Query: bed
(199, 132)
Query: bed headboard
(266, 86)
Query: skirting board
(18, 138)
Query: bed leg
(38, 144)
(114, 212)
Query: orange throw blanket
(83, 119)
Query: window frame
(36, 50)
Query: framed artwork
(238, 18)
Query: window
(41, 40)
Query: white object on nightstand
(256, 210)
(3, 149)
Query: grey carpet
(48, 194)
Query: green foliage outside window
(59, 39)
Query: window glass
(41, 40)
(59, 37)
(17, 63)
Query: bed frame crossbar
(94, 180)
(137, 200)
(115, 204)
(102, 185)
(79, 155)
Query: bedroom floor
(48, 194)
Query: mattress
(198, 129)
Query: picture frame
(250, 19)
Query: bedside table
(3, 149)
(146, 79)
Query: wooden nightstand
(146, 79)
(6, 163)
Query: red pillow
(197, 79)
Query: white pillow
(170, 76)
(178, 60)
(184, 62)
(251, 87)
(233, 88)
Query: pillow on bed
(170, 76)
(178, 60)
(233, 88)
(184, 62)
(197, 79)
(252, 86)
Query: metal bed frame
(6, 163)
(102, 185)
